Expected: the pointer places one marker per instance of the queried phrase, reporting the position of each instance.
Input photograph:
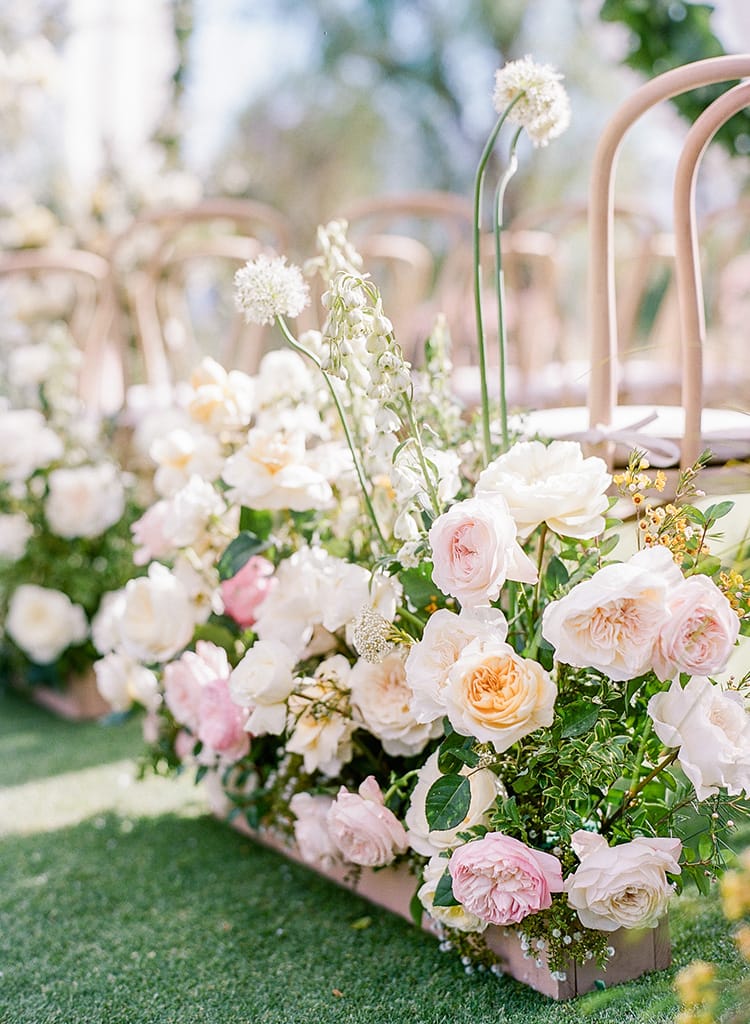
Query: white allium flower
(543, 108)
(266, 288)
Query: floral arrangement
(65, 512)
(389, 632)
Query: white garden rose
(182, 454)
(383, 699)
(452, 917)
(552, 484)
(105, 625)
(612, 621)
(444, 638)
(270, 472)
(26, 444)
(157, 618)
(711, 727)
(621, 886)
(263, 681)
(84, 501)
(485, 788)
(474, 551)
(44, 622)
(15, 531)
(189, 512)
(122, 681)
(700, 633)
(220, 400)
(497, 696)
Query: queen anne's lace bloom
(541, 104)
(266, 288)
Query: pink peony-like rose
(247, 589)
(501, 880)
(621, 886)
(474, 551)
(221, 723)
(611, 622)
(185, 678)
(362, 828)
(700, 632)
(311, 829)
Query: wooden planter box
(636, 952)
(80, 701)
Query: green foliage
(447, 802)
(238, 553)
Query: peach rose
(497, 696)
(247, 589)
(611, 622)
(474, 551)
(621, 886)
(362, 828)
(501, 880)
(700, 632)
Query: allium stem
(500, 286)
(292, 341)
(477, 249)
(417, 435)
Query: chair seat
(657, 430)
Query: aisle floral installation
(65, 514)
(390, 640)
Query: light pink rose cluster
(622, 886)
(642, 615)
(501, 880)
(196, 691)
(363, 829)
(246, 590)
(311, 830)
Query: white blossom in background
(123, 681)
(190, 511)
(26, 444)
(105, 628)
(542, 106)
(15, 531)
(84, 501)
(44, 622)
(220, 400)
(157, 618)
(336, 254)
(267, 287)
(270, 471)
(182, 454)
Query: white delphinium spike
(540, 103)
(336, 254)
(267, 287)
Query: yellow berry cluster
(736, 590)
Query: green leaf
(361, 923)
(239, 552)
(444, 893)
(578, 718)
(447, 802)
(419, 588)
(718, 511)
(523, 783)
(556, 575)
(416, 910)
(257, 521)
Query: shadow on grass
(180, 920)
(34, 744)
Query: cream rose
(621, 886)
(44, 622)
(612, 621)
(552, 484)
(85, 501)
(474, 551)
(485, 788)
(452, 917)
(497, 696)
(444, 638)
(263, 681)
(383, 699)
(311, 830)
(182, 454)
(219, 400)
(700, 632)
(712, 729)
(122, 681)
(157, 617)
(320, 718)
(270, 472)
(363, 829)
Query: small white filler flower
(540, 103)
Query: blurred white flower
(266, 288)
(84, 501)
(541, 104)
(15, 530)
(44, 622)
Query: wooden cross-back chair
(671, 434)
(86, 300)
(177, 266)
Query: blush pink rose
(245, 592)
(700, 632)
(311, 829)
(501, 880)
(149, 536)
(185, 678)
(362, 828)
(474, 551)
(221, 724)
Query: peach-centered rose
(497, 696)
(700, 632)
(474, 551)
(363, 829)
(247, 589)
(501, 880)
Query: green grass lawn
(148, 911)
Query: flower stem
(500, 286)
(477, 238)
(292, 341)
(417, 435)
(633, 792)
(410, 617)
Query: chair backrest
(602, 308)
(91, 315)
(177, 265)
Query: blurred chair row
(163, 296)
